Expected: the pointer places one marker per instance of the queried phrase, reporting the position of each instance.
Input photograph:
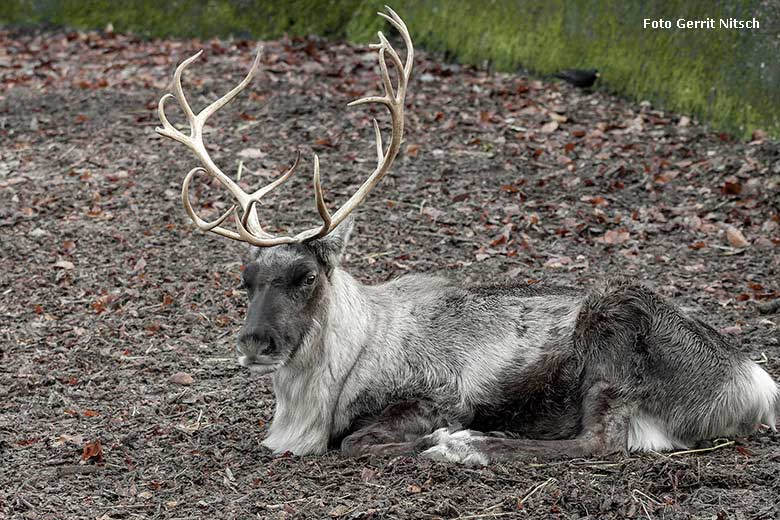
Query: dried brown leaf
(368, 475)
(614, 236)
(92, 451)
(731, 188)
(252, 153)
(735, 237)
(182, 378)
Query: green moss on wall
(726, 77)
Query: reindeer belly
(524, 378)
(539, 401)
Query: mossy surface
(726, 77)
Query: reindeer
(423, 364)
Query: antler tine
(379, 148)
(369, 99)
(387, 84)
(179, 91)
(396, 62)
(168, 130)
(203, 224)
(250, 219)
(319, 200)
(400, 26)
(256, 195)
(224, 100)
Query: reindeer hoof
(459, 447)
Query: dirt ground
(119, 393)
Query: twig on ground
(240, 169)
(487, 515)
(654, 500)
(537, 488)
(702, 450)
(77, 469)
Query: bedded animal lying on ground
(423, 364)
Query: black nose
(255, 343)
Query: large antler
(248, 225)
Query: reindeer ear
(330, 248)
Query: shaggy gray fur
(405, 366)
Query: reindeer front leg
(400, 429)
(474, 449)
(604, 431)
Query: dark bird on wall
(579, 77)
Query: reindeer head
(288, 277)
(288, 288)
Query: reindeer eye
(310, 278)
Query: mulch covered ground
(119, 393)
